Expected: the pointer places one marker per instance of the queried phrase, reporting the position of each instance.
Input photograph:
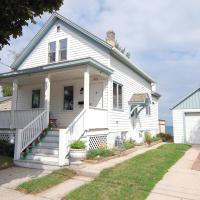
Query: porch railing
(21, 118)
(72, 133)
(30, 132)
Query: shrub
(166, 137)
(156, 138)
(78, 145)
(102, 152)
(128, 144)
(148, 137)
(6, 148)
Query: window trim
(122, 107)
(52, 51)
(63, 107)
(59, 50)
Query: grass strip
(45, 182)
(5, 162)
(133, 179)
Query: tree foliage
(14, 14)
(6, 90)
(122, 49)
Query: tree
(122, 50)
(6, 90)
(14, 14)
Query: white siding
(132, 83)
(78, 47)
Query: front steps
(45, 155)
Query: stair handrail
(32, 130)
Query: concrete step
(51, 139)
(37, 164)
(48, 144)
(45, 150)
(54, 133)
(43, 158)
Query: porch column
(86, 97)
(47, 95)
(14, 103)
(86, 89)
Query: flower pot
(77, 154)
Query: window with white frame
(148, 109)
(35, 99)
(62, 49)
(117, 96)
(52, 52)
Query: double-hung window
(68, 98)
(117, 96)
(63, 50)
(52, 52)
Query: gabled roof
(55, 17)
(191, 102)
(139, 98)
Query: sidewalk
(86, 173)
(181, 182)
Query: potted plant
(78, 150)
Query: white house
(84, 86)
(186, 119)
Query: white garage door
(192, 127)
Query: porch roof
(138, 98)
(61, 65)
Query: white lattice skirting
(7, 135)
(97, 140)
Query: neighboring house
(82, 84)
(5, 103)
(186, 119)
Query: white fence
(21, 118)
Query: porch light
(81, 91)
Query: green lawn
(133, 179)
(5, 162)
(40, 184)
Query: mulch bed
(196, 164)
(122, 153)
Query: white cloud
(162, 36)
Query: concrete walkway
(181, 182)
(12, 177)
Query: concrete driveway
(181, 182)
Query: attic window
(58, 28)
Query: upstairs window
(117, 96)
(35, 98)
(63, 50)
(52, 52)
(68, 98)
(148, 110)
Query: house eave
(60, 65)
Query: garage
(186, 119)
(192, 128)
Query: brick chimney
(110, 38)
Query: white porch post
(87, 95)
(14, 103)
(47, 96)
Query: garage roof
(191, 101)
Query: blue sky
(163, 37)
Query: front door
(96, 94)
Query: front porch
(76, 98)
